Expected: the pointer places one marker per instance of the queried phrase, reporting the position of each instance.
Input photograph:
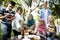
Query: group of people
(45, 29)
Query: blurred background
(54, 5)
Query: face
(40, 22)
(45, 5)
(31, 18)
(19, 11)
(10, 7)
(50, 19)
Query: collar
(8, 9)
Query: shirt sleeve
(18, 25)
(49, 12)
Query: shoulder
(13, 12)
(16, 14)
(49, 10)
(3, 9)
(41, 9)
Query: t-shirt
(18, 22)
(10, 15)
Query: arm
(5, 16)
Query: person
(41, 29)
(45, 12)
(31, 24)
(6, 16)
(52, 29)
(17, 23)
(57, 23)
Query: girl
(41, 29)
(52, 29)
(30, 24)
(17, 23)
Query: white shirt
(18, 22)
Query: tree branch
(23, 4)
(35, 6)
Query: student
(31, 23)
(45, 12)
(52, 29)
(6, 20)
(41, 28)
(17, 23)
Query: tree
(27, 4)
(55, 7)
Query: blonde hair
(51, 16)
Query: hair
(51, 16)
(45, 2)
(12, 3)
(19, 8)
(42, 20)
(30, 16)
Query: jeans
(51, 38)
(6, 29)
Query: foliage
(55, 9)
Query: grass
(0, 33)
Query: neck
(8, 9)
(45, 7)
(19, 13)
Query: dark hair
(12, 3)
(19, 8)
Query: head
(45, 4)
(51, 19)
(30, 17)
(19, 10)
(11, 5)
(41, 21)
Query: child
(52, 30)
(41, 29)
(17, 23)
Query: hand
(23, 24)
(29, 30)
(32, 31)
(51, 30)
(20, 28)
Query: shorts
(16, 33)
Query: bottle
(22, 31)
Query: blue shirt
(44, 13)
